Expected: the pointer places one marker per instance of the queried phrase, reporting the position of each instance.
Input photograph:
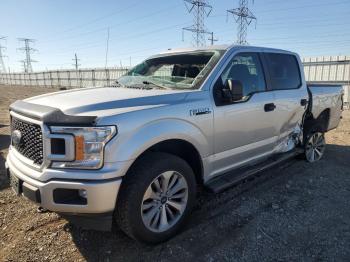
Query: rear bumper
(100, 196)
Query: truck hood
(106, 101)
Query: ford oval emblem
(16, 137)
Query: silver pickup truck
(136, 152)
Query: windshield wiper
(152, 83)
(117, 84)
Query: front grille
(31, 140)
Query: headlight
(89, 143)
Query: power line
(77, 35)
(304, 6)
(28, 50)
(200, 10)
(2, 64)
(243, 17)
(295, 7)
(134, 4)
(327, 34)
(120, 39)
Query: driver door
(244, 129)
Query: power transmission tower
(76, 64)
(200, 10)
(28, 50)
(2, 64)
(212, 39)
(244, 18)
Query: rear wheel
(156, 197)
(315, 147)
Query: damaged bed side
(324, 108)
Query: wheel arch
(181, 148)
(319, 124)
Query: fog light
(83, 193)
(69, 196)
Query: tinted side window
(246, 67)
(284, 71)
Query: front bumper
(101, 195)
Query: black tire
(309, 131)
(139, 177)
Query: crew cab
(135, 153)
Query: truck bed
(326, 97)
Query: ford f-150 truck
(135, 153)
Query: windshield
(172, 71)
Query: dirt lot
(296, 212)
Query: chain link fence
(65, 78)
(325, 69)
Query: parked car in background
(136, 152)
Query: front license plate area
(15, 183)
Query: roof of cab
(193, 49)
(221, 47)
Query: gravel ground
(296, 212)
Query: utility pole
(200, 10)
(2, 64)
(107, 44)
(23, 65)
(28, 50)
(212, 39)
(76, 64)
(243, 17)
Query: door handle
(269, 107)
(303, 102)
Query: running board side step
(229, 179)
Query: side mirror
(234, 89)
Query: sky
(138, 29)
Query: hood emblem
(16, 137)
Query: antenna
(28, 50)
(200, 10)
(2, 64)
(243, 17)
(76, 64)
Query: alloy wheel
(164, 201)
(315, 147)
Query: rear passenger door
(290, 93)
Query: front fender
(130, 145)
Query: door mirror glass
(226, 94)
(236, 89)
(232, 91)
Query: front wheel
(156, 197)
(315, 147)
